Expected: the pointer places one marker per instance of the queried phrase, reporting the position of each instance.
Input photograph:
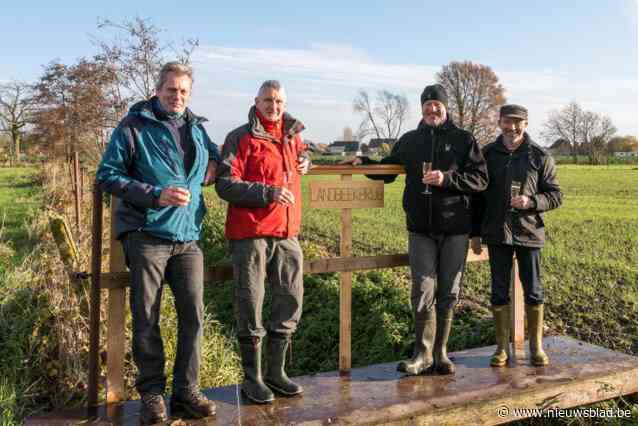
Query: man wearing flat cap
(509, 217)
(438, 215)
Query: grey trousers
(151, 260)
(437, 264)
(280, 260)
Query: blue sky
(546, 53)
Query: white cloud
(323, 79)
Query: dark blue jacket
(140, 160)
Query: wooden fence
(117, 279)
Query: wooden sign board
(346, 194)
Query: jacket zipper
(432, 151)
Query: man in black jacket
(522, 185)
(439, 220)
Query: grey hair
(270, 84)
(173, 67)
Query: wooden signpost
(346, 195)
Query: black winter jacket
(456, 153)
(534, 167)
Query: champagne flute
(427, 167)
(515, 191)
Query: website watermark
(564, 413)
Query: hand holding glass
(515, 191)
(427, 167)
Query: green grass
(19, 198)
(590, 276)
(589, 260)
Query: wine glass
(427, 167)
(515, 191)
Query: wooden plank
(517, 314)
(224, 272)
(376, 169)
(579, 374)
(345, 293)
(116, 322)
(346, 194)
(94, 312)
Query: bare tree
(16, 104)
(586, 131)
(565, 124)
(384, 118)
(136, 54)
(475, 96)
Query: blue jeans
(529, 267)
(152, 260)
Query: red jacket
(253, 164)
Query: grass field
(589, 261)
(590, 276)
(19, 197)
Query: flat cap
(513, 111)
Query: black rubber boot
(253, 386)
(421, 360)
(442, 364)
(277, 379)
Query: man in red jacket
(259, 176)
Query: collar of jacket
(446, 126)
(292, 126)
(145, 109)
(499, 145)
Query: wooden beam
(376, 169)
(94, 312)
(517, 314)
(224, 272)
(116, 321)
(345, 291)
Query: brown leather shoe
(192, 404)
(153, 409)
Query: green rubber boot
(421, 360)
(535, 331)
(442, 364)
(502, 331)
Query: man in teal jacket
(156, 162)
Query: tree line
(475, 97)
(74, 107)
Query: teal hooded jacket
(140, 160)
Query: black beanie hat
(435, 92)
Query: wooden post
(116, 321)
(94, 314)
(517, 314)
(345, 293)
(76, 190)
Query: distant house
(345, 148)
(376, 143)
(560, 147)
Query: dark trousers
(280, 260)
(437, 264)
(529, 267)
(152, 260)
